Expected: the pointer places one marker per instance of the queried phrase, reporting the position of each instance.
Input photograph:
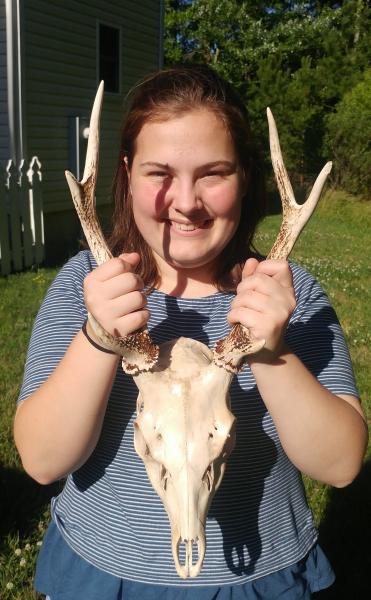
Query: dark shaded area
(318, 330)
(242, 544)
(22, 501)
(345, 536)
(116, 419)
(64, 236)
(301, 186)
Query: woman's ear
(125, 160)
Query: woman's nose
(185, 197)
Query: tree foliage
(348, 138)
(299, 58)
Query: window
(109, 57)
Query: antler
(138, 351)
(230, 352)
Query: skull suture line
(184, 430)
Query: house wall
(60, 80)
(4, 130)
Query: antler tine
(92, 151)
(83, 192)
(230, 352)
(137, 349)
(282, 178)
(295, 216)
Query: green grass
(23, 503)
(335, 248)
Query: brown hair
(161, 96)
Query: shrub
(348, 138)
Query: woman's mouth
(181, 226)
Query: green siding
(60, 40)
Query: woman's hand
(113, 295)
(264, 302)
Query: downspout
(162, 32)
(14, 76)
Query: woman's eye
(214, 174)
(159, 174)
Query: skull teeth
(188, 569)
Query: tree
(348, 138)
(297, 57)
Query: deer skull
(184, 430)
(184, 433)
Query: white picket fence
(21, 216)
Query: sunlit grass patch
(20, 297)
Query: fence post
(5, 255)
(21, 216)
(28, 248)
(15, 216)
(36, 208)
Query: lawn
(335, 248)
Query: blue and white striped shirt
(259, 521)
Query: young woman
(188, 196)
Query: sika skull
(184, 433)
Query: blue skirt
(64, 575)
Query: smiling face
(186, 187)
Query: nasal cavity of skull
(211, 433)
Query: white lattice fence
(21, 216)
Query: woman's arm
(57, 427)
(323, 434)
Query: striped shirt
(259, 521)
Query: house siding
(60, 74)
(4, 126)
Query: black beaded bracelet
(93, 343)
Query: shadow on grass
(345, 536)
(22, 501)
